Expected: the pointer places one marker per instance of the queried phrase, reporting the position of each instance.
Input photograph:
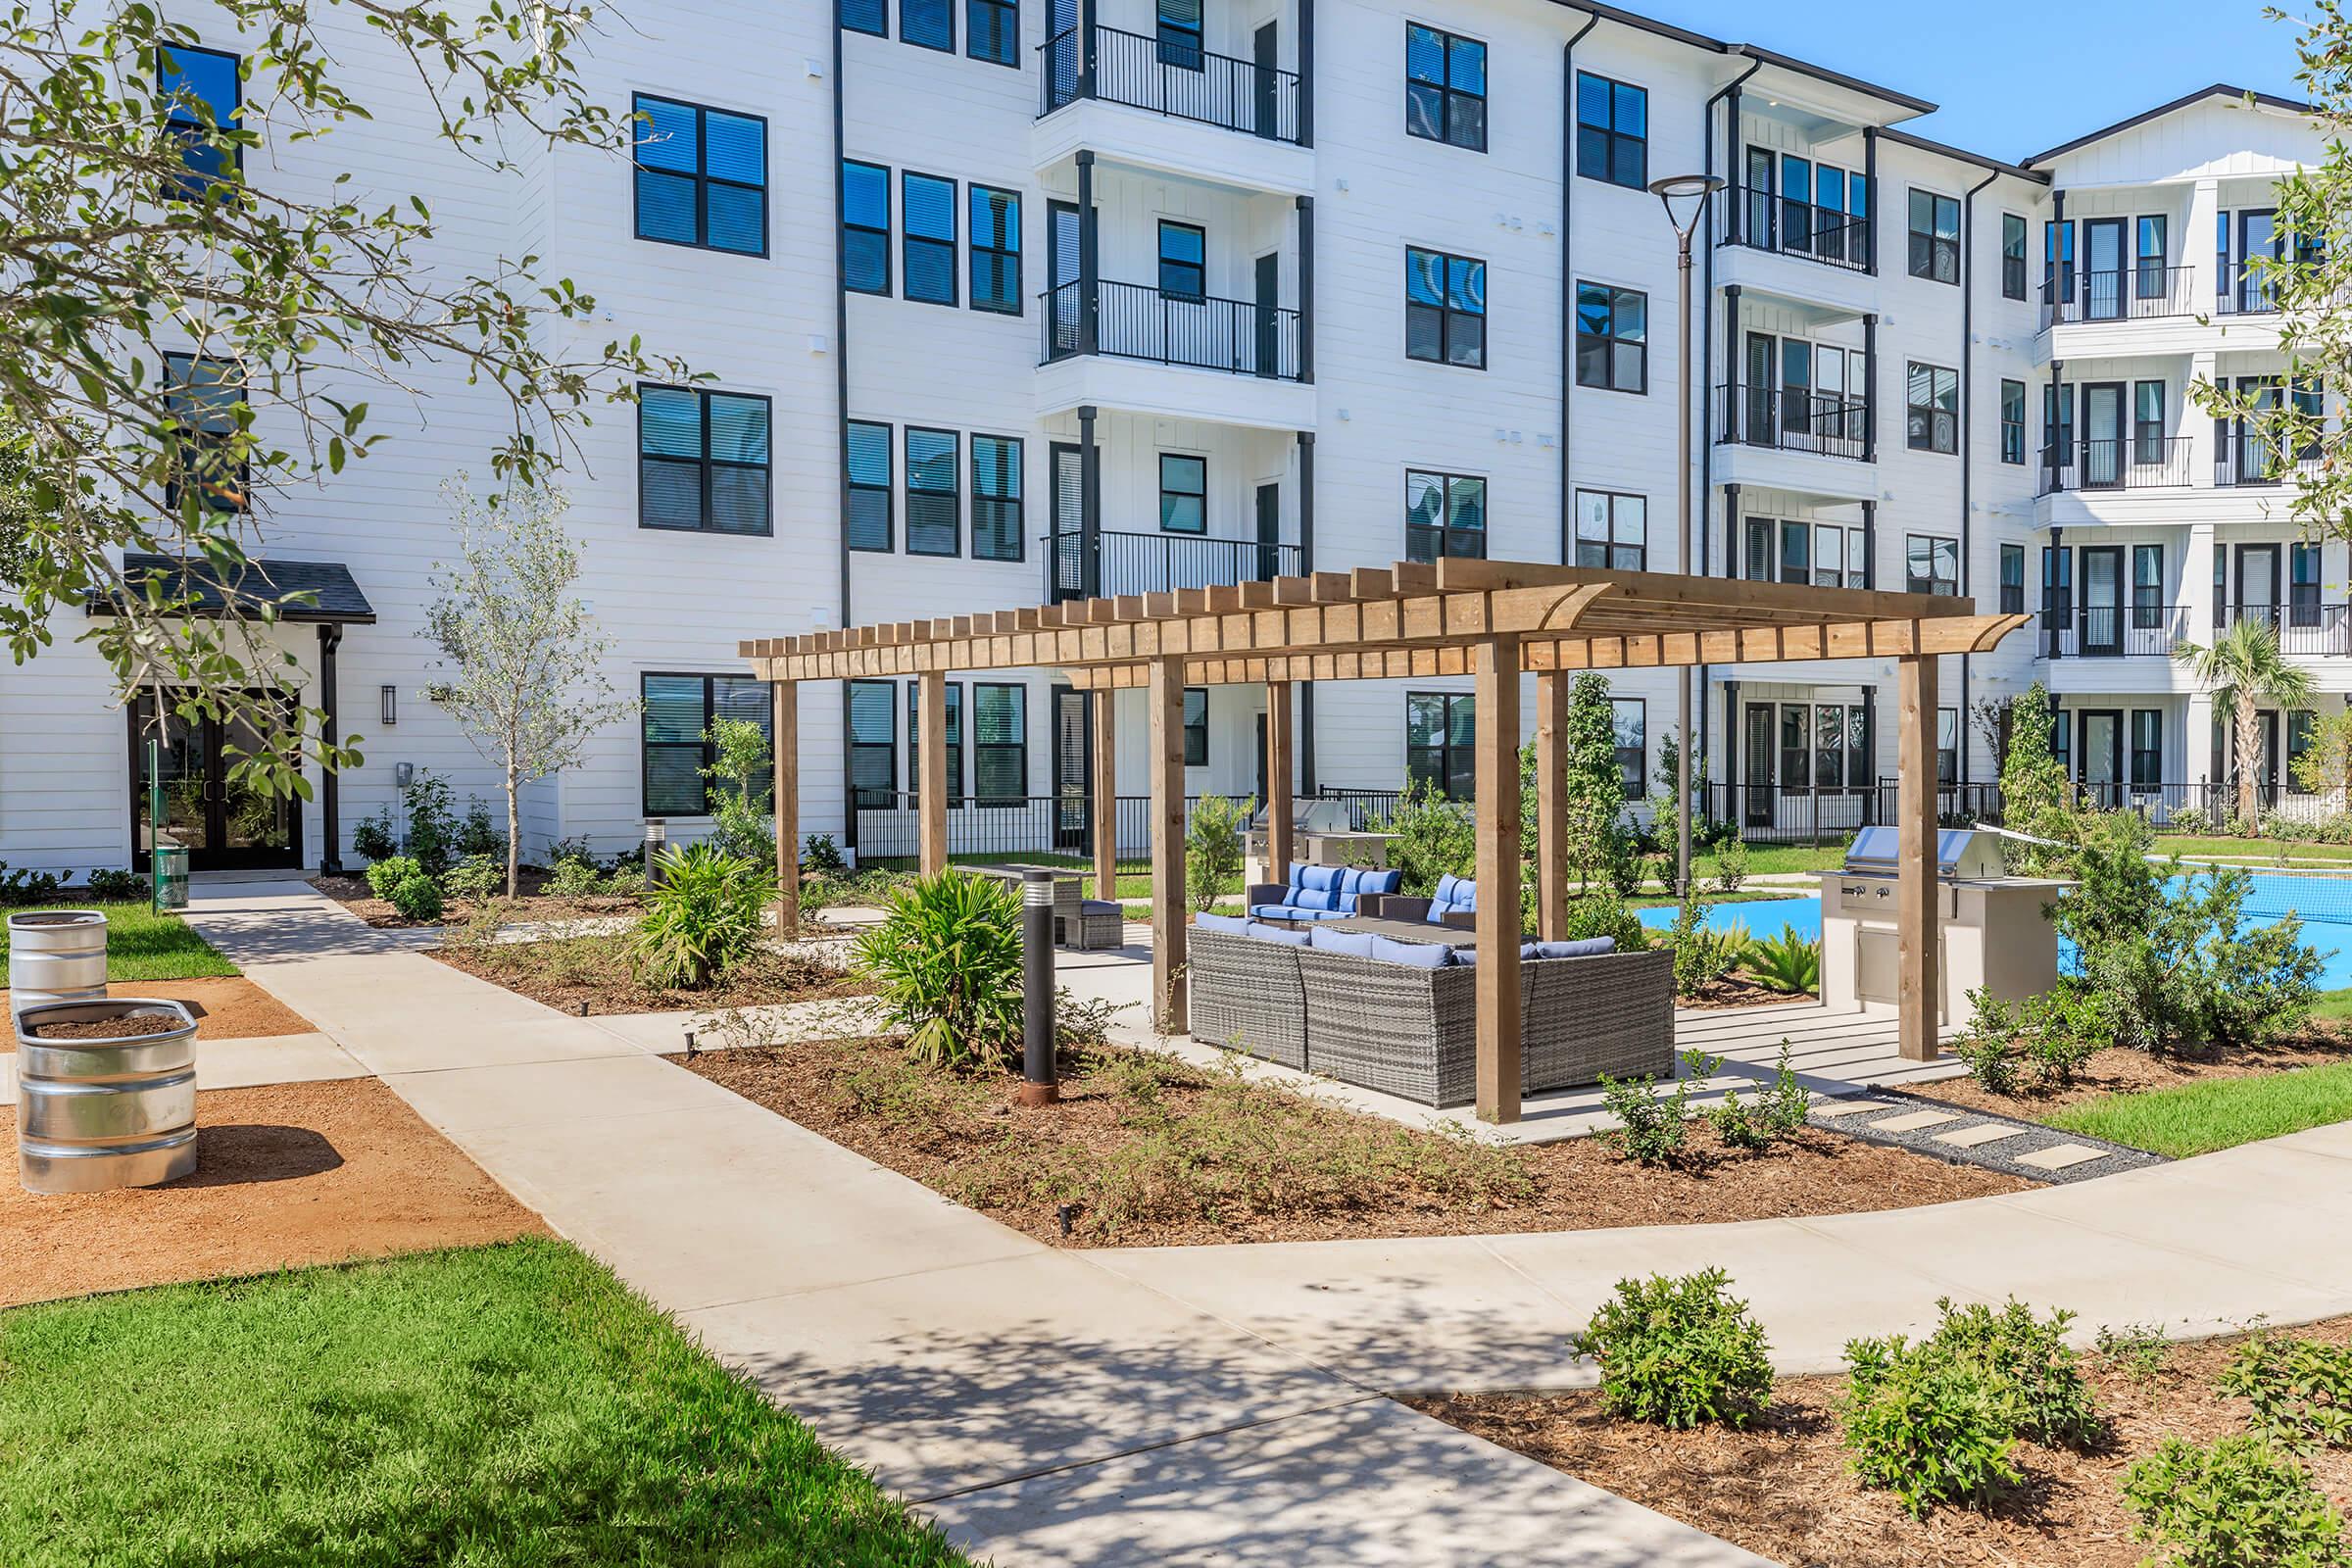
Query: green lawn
(2336, 1004)
(503, 1406)
(2256, 852)
(144, 945)
(2217, 1113)
(1765, 859)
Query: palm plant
(947, 961)
(2246, 672)
(701, 918)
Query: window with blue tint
(1445, 87)
(1183, 261)
(678, 713)
(702, 176)
(1440, 729)
(1612, 338)
(1612, 131)
(934, 499)
(873, 743)
(868, 463)
(1196, 726)
(202, 96)
(929, 243)
(955, 747)
(1000, 743)
(1179, 34)
(864, 227)
(928, 23)
(1183, 494)
(993, 31)
(866, 15)
(996, 498)
(996, 250)
(1445, 309)
(1445, 514)
(203, 396)
(703, 461)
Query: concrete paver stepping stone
(1991, 1132)
(1912, 1121)
(2062, 1156)
(1848, 1108)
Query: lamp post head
(1685, 197)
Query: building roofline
(1945, 149)
(1701, 40)
(2220, 89)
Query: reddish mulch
(1738, 990)
(2120, 1070)
(129, 1026)
(1782, 1488)
(353, 894)
(287, 1175)
(226, 1009)
(573, 973)
(969, 1138)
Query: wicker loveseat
(1453, 904)
(1403, 1017)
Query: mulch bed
(226, 1009)
(2120, 1070)
(1292, 1167)
(534, 904)
(1782, 1488)
(569, 973)
(1738, 990)
(286, 1175)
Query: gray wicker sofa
(1410, 1030)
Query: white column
(2195, 422)
(2198, 764)
(2196, 582)
(2196, 247)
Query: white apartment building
(1008, 300)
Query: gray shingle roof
(320, 591)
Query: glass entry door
(2102, 632)
(2103, 269)
(2102, 435)
(224, 825)
(2101, 750)
(1757, 776)
(1073, 764)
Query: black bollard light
(1038, 1085)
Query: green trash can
(171, 877)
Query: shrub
(2030, 1363)
(417, 897)
(1785, 962)
(1925, 1424)
(1778, 1111)
(1679, 1352)
(1702, 956)
(2301, 1389)
(2049, 1035)
(116, 884)
(701, 920)
(1212, 849)
(390, 872)
(27, 887)
(946, 958)
(372, 837)
(476, 876)
(1988, 1049)
(1788, 1106)
(626, 881)
(1434, 838)
(2140, 1350)
(478, 835)
(1603, 915)
(742, 783)
(2236, 1502)
(432, 831)
(572, 879)
(1649, 1127)
(1731, 864)
(822, 857)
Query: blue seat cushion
(1292, 911)
(1418, 955)
(1258, 931)
(1354, 944)
(1231, 923)
(1588, 947)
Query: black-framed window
(933, 498)
(2147, 747)
(1444, 307)
(204, 97)
(2058, 424)
(2058, 585)
(2147, 421)
(1612, 530)
(996, 250)
(678, 710)
(2301, 725)
(1947, 746)
(1445, 514)
(997, 462)
(702, 176)
(1935, 236)
(2013, 579)
(1183, 261)
(927, 247)
(703, 461)
(868, 460)
(201, 396)
(1932, 408)
(1612, 338)
(2221, 585)
(2303, 585)
(2013, 256)
(2062, 744)
(915, 742)
(1177, 27)
(1439, 729)
(999, 743)
(1612, 131)
(1931, 565)
(1182, 493)
(1445, 87)
(873, 743)
(2151, 253)
(866, 16)
(2147, 587)
(2058, 261)
(2013, 422)
(864, 227)
(1196, 726)
(1629, 722)
(928, 23)
(992, 30)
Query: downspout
(1706, 396)
(1568, 280)
(1968, 456)
(841, 446)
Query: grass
(1770, 859)
(2218, 1113)
(2253, 852)
(142, 943)
(507, 1405)
(2333, 1005)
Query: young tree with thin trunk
(525, 663)
(2246, 673)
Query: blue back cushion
(1527, 951)
(1419, 954)
(1354, 944)
(1261, 932)
(1455, 896)
(1233, 923)
(1298, 871)
(1588, 947)
(1382, 882)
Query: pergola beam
(1495, 746)
(1164, 700)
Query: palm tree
(2246, 672)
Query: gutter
(1568, 284)
(841, 443)
(1968, 456)
(1706, 348)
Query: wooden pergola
(1487, 619)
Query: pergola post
(1551, 805)
(1106, 804)
(1278, 780)
(1164, 697)
(1496, 744)
(1918, 987)
(931, 804)
(784, 791)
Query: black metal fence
(1169, 75)
(2111, 631)
(1761, 220)
(1134, 322)
(1055, 828)
(2245, 289)
(2248, 457)
(2144, 290)
(1794, 420)
(1160, 563)
(2128, 462)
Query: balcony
(2244, 289)
(1158, 562)
(1165, 76)
(1794, 422)
(1757, 219)
(2308, 629)
(2134, 462)
(2244, 460)
(2145, 291)
(2110, 631)
(1137, 322)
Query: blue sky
(2015, 76)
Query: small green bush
(372, 837)
(2030, 1361)
(417, 897)
(476, 876)
(822, 857)
(1786, 962)
(1603, 915)
(432, 830)
(1679, 1352)
(1212, 849)
(1925, 1424)
(116, 884)
(701, 918)
(1731, 864)
(2139, 1350)
(478, 835)
(626, 882)
(572, 879)
(1702, 956)
(946, 958)
(2239, 1502)
(390, 872)
(2045, 1038)
(1435, 838)
(2301, 1389)
(1650, 1128)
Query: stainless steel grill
(1961, 853)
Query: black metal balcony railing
(2243, 288)
(1794, 422)
(1761, 220)
(1133, 321)
(2143, 291)
(2307, 627)
(1158, 562)
(1169, 77)
(2245, 457)
(2110, 631)
(2130, 462)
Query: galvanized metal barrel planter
(105, 1110)
(55, 956)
